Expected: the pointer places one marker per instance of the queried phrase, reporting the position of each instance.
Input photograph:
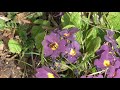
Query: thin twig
(98, 72)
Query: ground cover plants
(59, 45)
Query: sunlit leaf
(14, 46)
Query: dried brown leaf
(21, 18)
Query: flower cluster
(108, 60)
(59, 43)
(62, 43)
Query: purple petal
(62, 45)
(117, 64)
(71, 38)
(55, 54)
(71, 59)
(99, 64)
(90, 76)
(47, 51)
(41, 73)
(107, 38)
(75, 45)
(104, 55)
(83, 77)
(111, 72)
(73, 30)
(117, 74)
(78, 53)
(51, 71)
(103, 48)
(53, 37)
(110, 33)
(63, 32)
(99, 76)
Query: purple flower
(111, 73)
(117, 74)
(72, 52)
(105, 60)
(104, 47)
(110, 38)
(46, 72)
(69, 34)
(53, 46)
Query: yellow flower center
(106, 63)
(54, 46)
(50, 75)
(72, 52)
(66, 34)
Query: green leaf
(79, 36)
(35, 30)
(2, 24)
(14, 46)
(93, 45)
(113, 19)
(39, 14)
(65, 20)
(11, 15)
(42, 56)
(22, 34)
(38, 39)
(68, 26)
(75, 18)
(42, 22)
(118, 41)
(93, 32)
(1, 42)
(93, 70)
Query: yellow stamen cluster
(106, 63)
(54, 46)
(50, 75)
(66, 34)
(72, 52)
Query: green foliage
(35, 30)
(2, 24)
(38, 39)
(72, 19)
(93, 70)
(93, 45)
(68, 26)
(1, 42)
(42, 22)
(14, 46)
(114, 20)
(92, 27)
(79, 36)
